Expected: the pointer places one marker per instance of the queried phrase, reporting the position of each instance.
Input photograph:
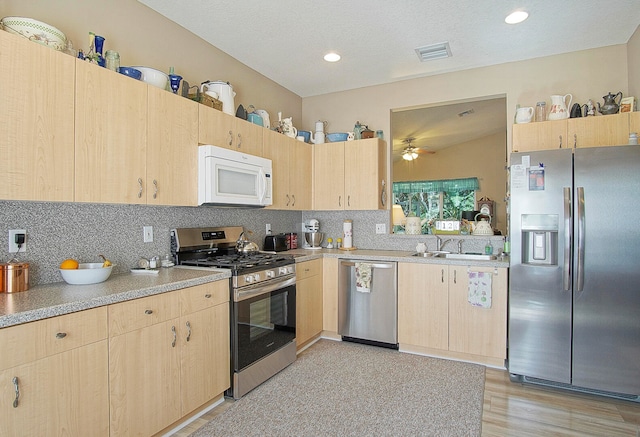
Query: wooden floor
(523, 410)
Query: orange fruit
(69, 264)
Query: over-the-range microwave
(231, 178)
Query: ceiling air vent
(434, 51)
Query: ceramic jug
(524, 115)
(610, 105)
(225, 94)
(318, 138)
(559, 107)
(413, 225)
(288, 129)
(482, 227)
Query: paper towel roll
(347, 234)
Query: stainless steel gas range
(263, 301)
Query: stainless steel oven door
(263, 320)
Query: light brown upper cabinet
(350, 175)
(544, 135)
(111, 136)
(606, 130)
(172, 149)
(224, 130)
(292, 169)
(36, 121)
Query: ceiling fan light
(516, 17)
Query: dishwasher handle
(373, 264)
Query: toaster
(275, 243)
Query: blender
(312, 237)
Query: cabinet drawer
(32, 341)
(308, 269)
(204, 296)
(139, 313)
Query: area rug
(348, 389)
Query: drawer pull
(155, 189)
(61, 335)
(15, 385)
(208, 296)
(148, 311)
(139, 187)
(175, 336)
(188, 331)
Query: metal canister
(292, 240)
(14, 276)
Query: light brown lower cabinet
(54, 376)
(168, 355)
(308, 301)
(435, 317)
(330, 296)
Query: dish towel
(363, 277)
(480, 289)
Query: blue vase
(99, 43)
(175, 82)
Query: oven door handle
(252, 291)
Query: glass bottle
(541, 111)
(112, 60)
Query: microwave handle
(263, 180)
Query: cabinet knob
(61, 335)
(208, 296)
(148, 311)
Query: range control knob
(270, 274)
(282, 270)
(256, 277)
(248, 278)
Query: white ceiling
(285, 40)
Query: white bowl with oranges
(76, 273)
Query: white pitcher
(524, 115)
(413, 225)
(559, 107)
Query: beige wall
(144, 37)
(633, 54)
(588, 74)
(485, 156)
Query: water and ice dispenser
(539, 239)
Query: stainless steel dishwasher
(368, 302)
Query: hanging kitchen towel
(480, 289)
(363, 277)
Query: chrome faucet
(460, 246)
(440, 243)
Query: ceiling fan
(410, 152)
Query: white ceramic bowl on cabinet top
(153, 77)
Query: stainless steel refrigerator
(574, 287)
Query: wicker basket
(207, 100)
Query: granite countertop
(49, 300)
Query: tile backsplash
(56, 231)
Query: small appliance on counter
(275, 243)
(312, 235)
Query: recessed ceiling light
(332, 57)
(516, 17)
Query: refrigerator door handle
(566, 276)
(580, 243)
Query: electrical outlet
(268, 228)
(381, 228)
(147, 232)
(13, 245)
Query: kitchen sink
(462, 256)
(470, 256)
